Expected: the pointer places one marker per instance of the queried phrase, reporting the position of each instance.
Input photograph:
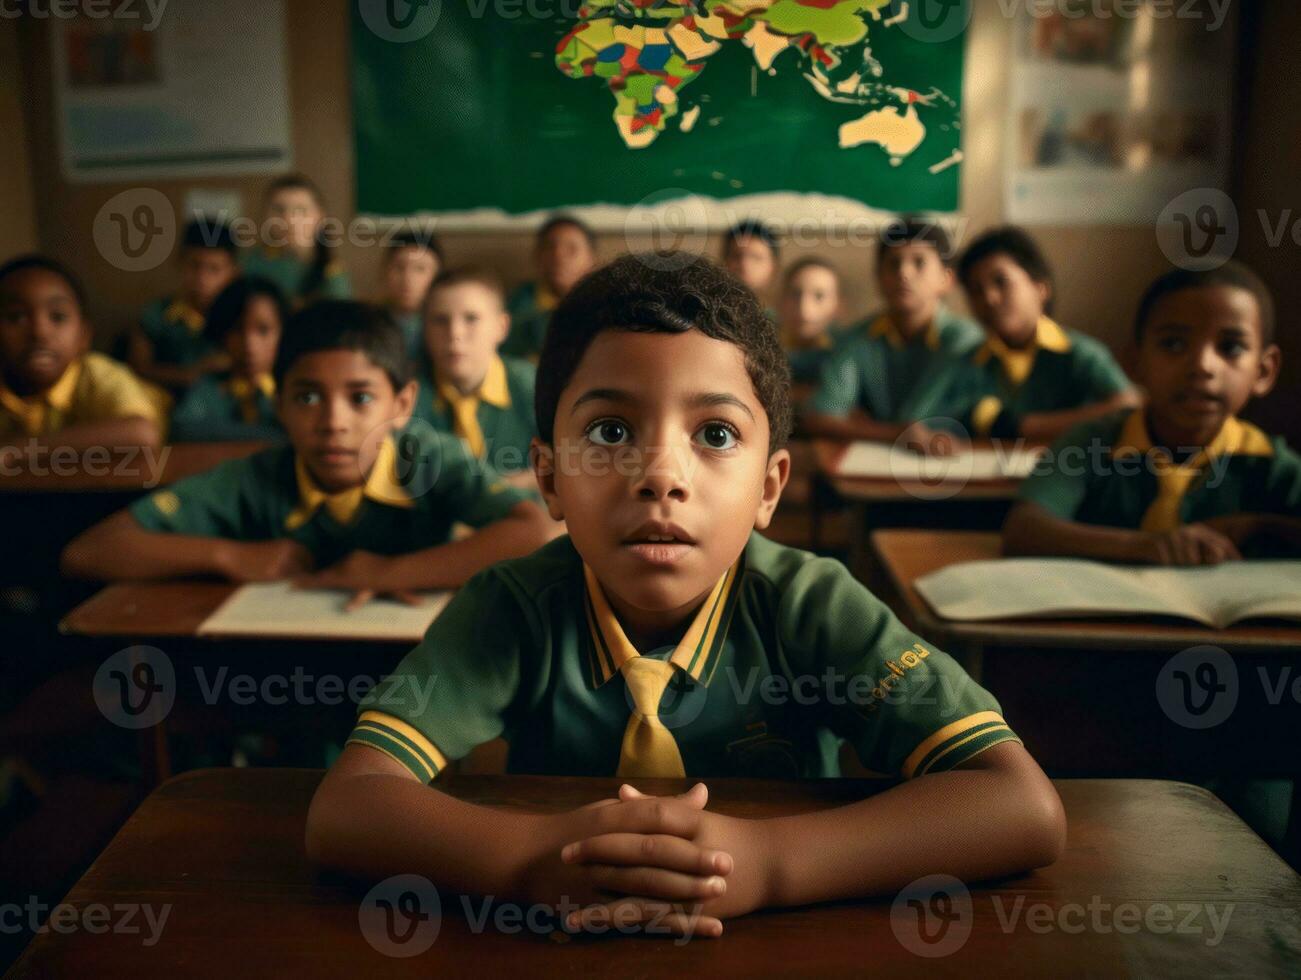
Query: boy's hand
(262, 561)
(743, 842)
(631, 861)
(922, 439)
(1193, 544)
(363, 573)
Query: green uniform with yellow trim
(891, 379)
(786, 646)
(420, 485)
(175, 329)
(530, 309)
(290, 273)
(222, 408)
(1106, 472)
(93, 388)
(1059, 370)
(503, 413)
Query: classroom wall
(1101, 270)
(17, 207)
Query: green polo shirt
(507, 429)
(891, 380)
(420, 485)
(209, 412)
(787, 646)
(290, 275)
(175, 329)
(1103, 473)
(530, 313)
(412, 326)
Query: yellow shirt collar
(612, 648)
(1018, 363)
(884, 326)
(383, 485)
(1235, 438)
(544, 298)
(242, 388)
(182, 312)
(465, 408)
(33, 412)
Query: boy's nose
(662, 476)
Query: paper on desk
(876, 459)
(278, 609)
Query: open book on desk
(1043, 588)
(277, 609)
(879, 460)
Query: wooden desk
(147, 610)
(879, 490)
(1083, 694)
(222, 850)
(128, 472)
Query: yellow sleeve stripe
(949, 731)
(406, 735)
(985, 414)
(407, 761)
(988, 735)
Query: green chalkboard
(516, 104)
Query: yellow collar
(383, 486)
(544, 298)
(884, 326)
(243, 388)
(1018, 363)
(493, 389)
(182, 312)
(33, 411)
(695, 652)
(1235, 438)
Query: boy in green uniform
(807, 319)
(169, 347)
(245, 322)
(1183, 481)
(54, 390)
(474, 393)
(890, 374)
(296, 254)
(565, 252)
(665, 637)
(1031, 378)
(372, 512)
(412, 262)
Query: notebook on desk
(1046, 588)
(276, 609)
(878, 460)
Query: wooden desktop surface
(1150, 868)
(126, 472)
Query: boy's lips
(334, 456)
(659, 543)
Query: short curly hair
(655, 293)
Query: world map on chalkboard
(612, 102)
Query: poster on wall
(1115, 109)
(488, 115)
(189, 87)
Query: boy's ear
(87, 335)
(542, 457)
(1271, 362)
(774, 482)
(404, 403)
(503, 329)
(950, 280)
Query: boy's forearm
(117, 549)
(451, 565)
(1030, 531)
(111, 434)
(859, 425)
(1047, 426)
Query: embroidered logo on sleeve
(167, 502)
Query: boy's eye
(608, 432)
(1233, 349)
(308, 398)
(1171, 345)
(716, 435)
(363, 397)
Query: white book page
(1235, 590)
(277, 609)
(879, 460)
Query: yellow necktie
(1017, 364)
(1172, 483)
(649, 748)
(245, 393)
(465, 417)
(30, 413)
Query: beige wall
(1101, 271)
(17, 206)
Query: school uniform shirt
(175, 329)
(807, 360)
(786, 645)
(530, 309)
(420, 485)
(412, 326)
(1060, 369)
(1107, 472)
(224, 408)
(289, 273)
(496, 423)
(893, 380)
(94, 388)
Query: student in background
(1031, 377)
(663, 405)
(294, 254)
(370, 511)
(169, 346)
(412, 261)
(54, 390)
(752, 253)
(565, 252)
(807, 318)
(484, 399)
(1183, 481)
(245, 323)
(890, 372)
